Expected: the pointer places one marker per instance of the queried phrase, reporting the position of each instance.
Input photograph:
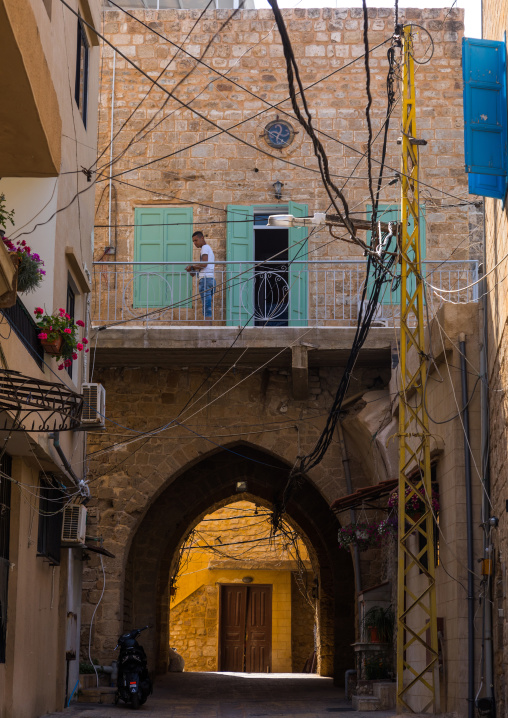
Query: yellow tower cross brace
(417, 659)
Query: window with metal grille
(5, 524)
(50, 523)
(81, 90)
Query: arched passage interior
(209, 483)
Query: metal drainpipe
(349, 486)
(488, 668)
(80, 484)
(111, 144)
(469, 526)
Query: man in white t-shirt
(205, 271)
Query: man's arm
(203, 263)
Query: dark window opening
(27, 330)
(70, 309)
(51, 503)
(81, 91)
(271, 283)
(422, 542)
(5, 526)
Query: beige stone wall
(303, 618)
(44, 601)
(223, 171)
(495, 24)
(131, 485)
(194, 629)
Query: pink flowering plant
(30, 271)
(59, 324)
(362, 535)
(416, 504)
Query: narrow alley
(233, 695)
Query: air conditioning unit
(74, 525)
(94, 406)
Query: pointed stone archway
(140, 584)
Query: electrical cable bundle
(293, 74)
(378, 274)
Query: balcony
(302, 314)
(271, 295)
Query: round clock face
(279, 133)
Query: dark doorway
(271, 301)
(245, 629)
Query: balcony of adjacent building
(30, 121)
(259, 312)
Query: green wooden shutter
(156, 240)
(178, 248)
(148, 247)
(391, 213)
(298, 269)
(240, 249)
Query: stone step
(366, 703)
(102, 694)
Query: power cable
(227, 131)
(228, 79)
(367, 109)
(293, 77)
(180, 49)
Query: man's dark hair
(198, 234)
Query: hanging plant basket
(53, 346)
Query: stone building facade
(495, 24)
(242, 399)
(48, 132)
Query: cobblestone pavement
(230, 695)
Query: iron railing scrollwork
(29, 404)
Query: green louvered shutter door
(391, 213)
(298, 269)
(163, 234)
(177, 248)
(240, 249)
(148, 247)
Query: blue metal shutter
(485, 110)
(487, 185)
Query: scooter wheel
(135, 701)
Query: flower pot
(8, 278)
(52, 347)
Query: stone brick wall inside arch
(185, 475)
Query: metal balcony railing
(319, 293)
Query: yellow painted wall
(195, 607)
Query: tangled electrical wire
(293, 76)
(287, 540)
(377, 276)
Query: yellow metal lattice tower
(417, 665)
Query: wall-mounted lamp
(247, 579)
(278, 185)
(241, 486)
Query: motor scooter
(133, 684)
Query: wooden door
(245, 629)
(258, 650)
(233, 611)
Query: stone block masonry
(220, 170)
